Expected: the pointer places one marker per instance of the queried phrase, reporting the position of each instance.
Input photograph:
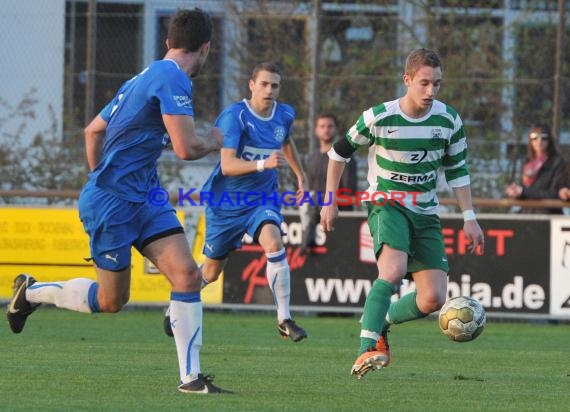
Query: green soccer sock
(404, 310)
(375, 309)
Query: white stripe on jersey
(456, 148)
(459, 182)
(395, 136)
(407, 157)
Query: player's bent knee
(428, 303)
(190, 279)
(392, 276)
(272, 246)
(438, 304)
(111, 308)
(107, 306)
(434, 303)
(212, 277)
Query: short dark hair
(327, 116)
(189, 29)
(265, 66)
(421, 57)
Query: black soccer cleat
(167, 326)
(19, 308)
(289, 329)
(202, 384)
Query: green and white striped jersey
(405, 154)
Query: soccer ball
(462, 319)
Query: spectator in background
(326, 130)
(564, 191)
(543, 172)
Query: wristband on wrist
(468, 215)
(260, 165)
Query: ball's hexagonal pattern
(462, 319)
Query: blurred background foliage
(337, 56)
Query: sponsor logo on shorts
(111, 257)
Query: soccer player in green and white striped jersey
(409, 139)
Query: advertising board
(512, 275)
(50, 244)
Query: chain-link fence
(500, 72)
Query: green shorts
(418, 235)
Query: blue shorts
(224, 231)
(114, 225)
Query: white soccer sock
(279, 278)
(203, 284)
(186, 322)
(78, 294)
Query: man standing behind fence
(326, 131)
(409, 139)
(149, 112)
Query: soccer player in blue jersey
(257, 143)
(150, 112)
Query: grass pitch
(69, 361)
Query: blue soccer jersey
(135, 134)
(254, 138)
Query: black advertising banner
(512, 276)
(333, 274)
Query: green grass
(68, 361)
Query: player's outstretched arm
(232, 165)
(186, 143)
(94, 136)
(471, 227)
(329, 212)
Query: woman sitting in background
(543, 172)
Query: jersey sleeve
(106, 111)
(359, 134)
(231, 128)
(175, 95)
(291, 115)
(110, 108)
(454, 161)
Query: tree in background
(47, 163)
(336, 56)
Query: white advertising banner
(560, 266)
